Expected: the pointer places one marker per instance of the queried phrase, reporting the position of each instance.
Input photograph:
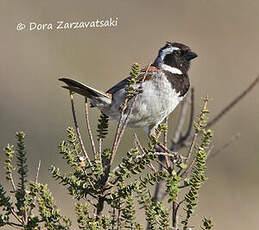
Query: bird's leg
(176, 157)
(152, 134)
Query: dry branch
(77, 129)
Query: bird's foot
(176, 157)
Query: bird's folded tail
(97, 97)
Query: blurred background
(225, 34)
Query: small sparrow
(165, 84)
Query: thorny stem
(204, 109)
(89, 127)
(195, 138)
(117, 134)
(78, 130)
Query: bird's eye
(178, 52)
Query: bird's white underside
(153, 105)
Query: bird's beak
(190, 55)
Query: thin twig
(113, 218)
(140, 147)
(118, 218)
(165, 137)
(162, 165)
(194, 140)
(12, 182)
(16, 216)
(188, 169)
(38, 171)
(126, 120)
(182, 118)
(100, 141)
(78, 130)
(17, 226)
(234, 102)
(180, 140)
(174, 214)
(187, 134)
(169, 152)
(233, 139)
(117, 133)
(190, 125)
(165, 154)
(89, 127)
(36, 181)
(138, 144)
(151, 166)
(209, 151)
(90, 202)
(196, 132)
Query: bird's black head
(175, 55)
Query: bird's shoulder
(145, 74)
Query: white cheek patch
(168, 50)
(171, 69)
(171, 49)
